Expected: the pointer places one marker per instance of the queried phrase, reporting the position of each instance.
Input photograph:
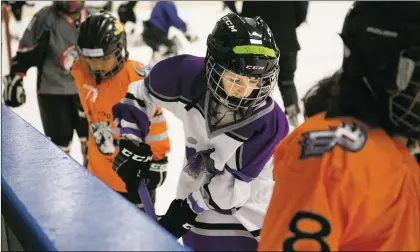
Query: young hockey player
(155, 33)
(231, 126)
(345, 180)
(49, 44)
(102, 75)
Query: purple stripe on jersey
(257, 150)
(238, 174)
(219, 243)
(133, 115)
(194, 205)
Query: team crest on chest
(351, 138)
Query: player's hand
(132, 163)
(13, 93)
(179, 218)
(157, 174)
(292, 113)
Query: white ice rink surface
(320, 56)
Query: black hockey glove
(132, 163)
(179, 218)
(13, 93)
(157, 174)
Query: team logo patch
(350, 138)
(199, 163)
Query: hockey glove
(157, 174)
(179, 218)
(13, 93)
(132, 163)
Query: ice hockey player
(318, 99)
(231, 127)
(49, 44)
(155, 32)
(102, 75)
(345, 180)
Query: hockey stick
(146, 200)
(5, 15)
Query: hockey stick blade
(146, 200)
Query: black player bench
(51, 203)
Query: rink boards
(54, 204)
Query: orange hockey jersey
(97, 102)
(342, 186)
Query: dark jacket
(283, 17)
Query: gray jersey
(58, 35)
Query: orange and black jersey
(342, 186)
(97, 102)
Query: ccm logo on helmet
(135, 157)
(229, 24)
(254, 67)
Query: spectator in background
(283, 18)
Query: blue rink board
(62, 205)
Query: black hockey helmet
(244, 46)
(100, 36)
(69, 7)
(382, 46)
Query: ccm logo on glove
(187, 226)
(135, 157)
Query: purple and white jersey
(227, 178)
